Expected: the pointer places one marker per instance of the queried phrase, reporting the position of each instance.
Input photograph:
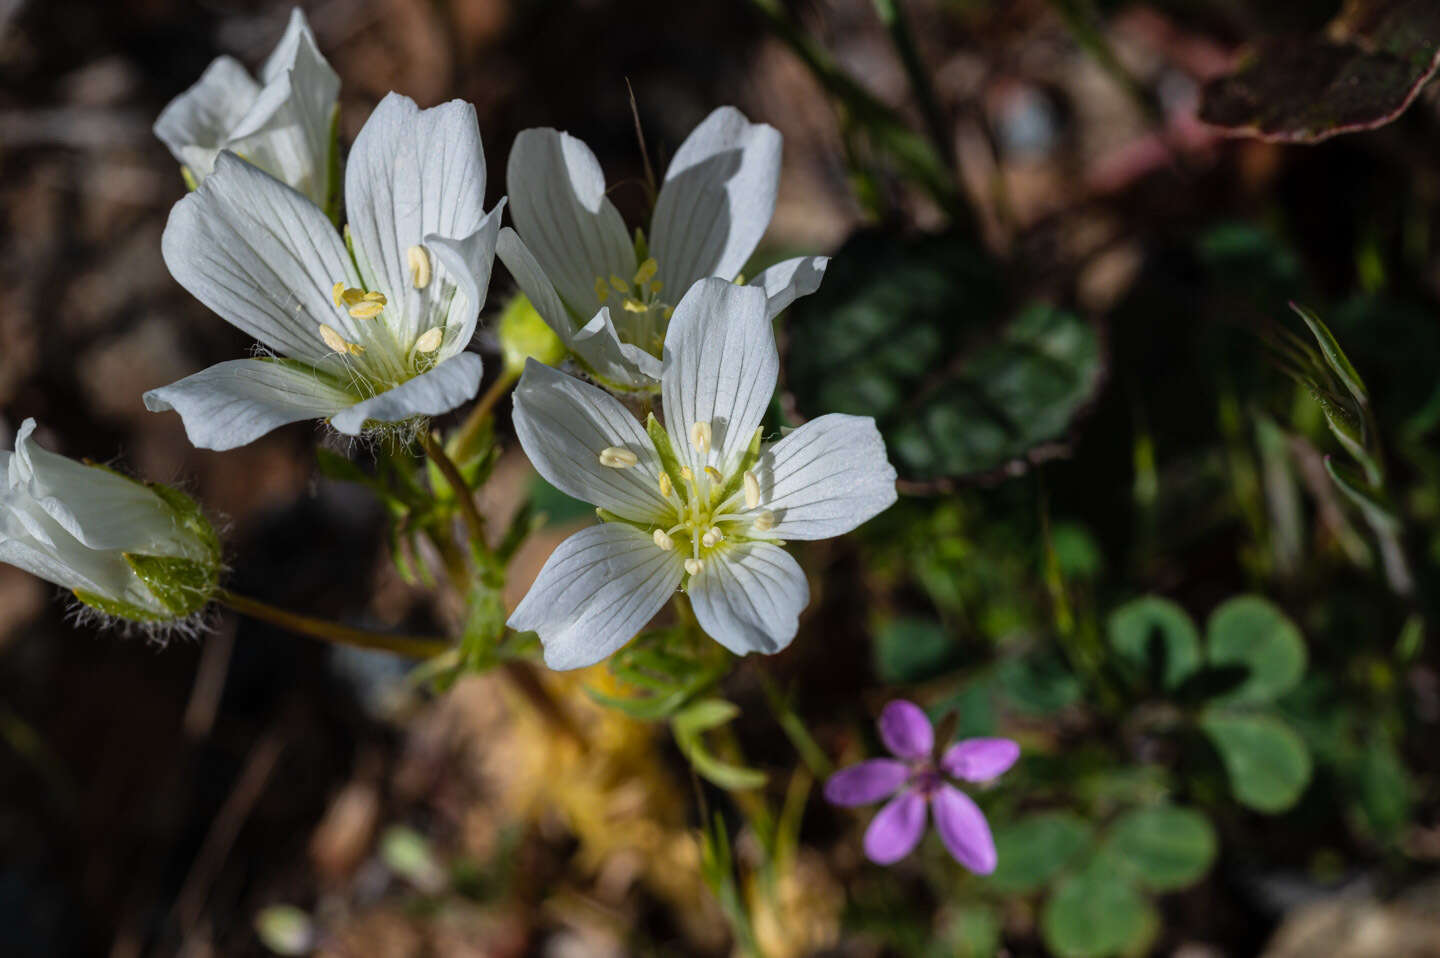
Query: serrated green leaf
(1163, 847)
(1266, 761)
(1032, 851)
(1250, 632)
(1144, 627)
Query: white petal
(531, 278)
(234, 403)
(98, 508)
(787, 281)
(261, 256)
(559, 207)
(717, 199)
(826, 478)
(749, 597)
(452, 382)
(720, 367)
(564, 424)
(597, 590)
(287, 131)
(65, 562)
(469, 261)
(618, 364)
(204, 115)
(412, 173)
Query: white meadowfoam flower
(137, 552)
(701, 502)
(609, 298)
(375, 333)
(283, 123)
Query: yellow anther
(646, 272)
(337, 291)
(367, 310)
(350, 296)
(617, 457)
(662, 540)
(714, 474)
(665, 486)
(686, 474)
(633, 305)
(602, 289)
(752, 490)
(656, 286)
(693, 566)
(419, 262)
(765, 521)
(333, 340)
(375, 296)
(739, 279)
(430, 340)
(354, 349)
(619, 284)
(700, 436)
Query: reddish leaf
(1361, 73)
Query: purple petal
(964, 831)
(980, 759)
(867, 782)
(896, 829)
(906, 731)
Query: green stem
(464, 498)
(475, 422)
(892, 14)
(412, 646)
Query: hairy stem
(464, 498)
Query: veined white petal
(412, 173)
(564, 425)
(98, 508)
(234, 403)
(596, 591)
(619, 364)
(717, 199)
(65, 562)
(559, 207)
(787, 281)
(720, 367)
(826, 478)
(197, 123)
(533, 282)
(469, 261)
(450, 383)
(749, 597)
(261, 256)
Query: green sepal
(191, 183)
(181, 585)
(668, 460)
(605, 515)
(191, 518)
(747, 462)
(332, 169)
(642, 246)
(118, 608)
(1335, 357)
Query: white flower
(143, 553)
(610, 299)
(283, 124)
(700, 502)
(373, 333)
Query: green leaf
(1266, 761)
(557, 507)
(687, 726)
(972, 931)
(1032, 851)
(1163, 847)
(1150, 632)
(1096, 913)
(893, 311)
(1361, 72)
(913, 650)
(1335, 357)
(1384, 786)
(1038, 684)
(1252, 633)
(1377, 512)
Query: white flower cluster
(365, 321)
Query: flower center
(926, 779)
(645, 314)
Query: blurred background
(1069, 312)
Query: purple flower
(916, 779)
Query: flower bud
(524, 335)
(132, 551)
